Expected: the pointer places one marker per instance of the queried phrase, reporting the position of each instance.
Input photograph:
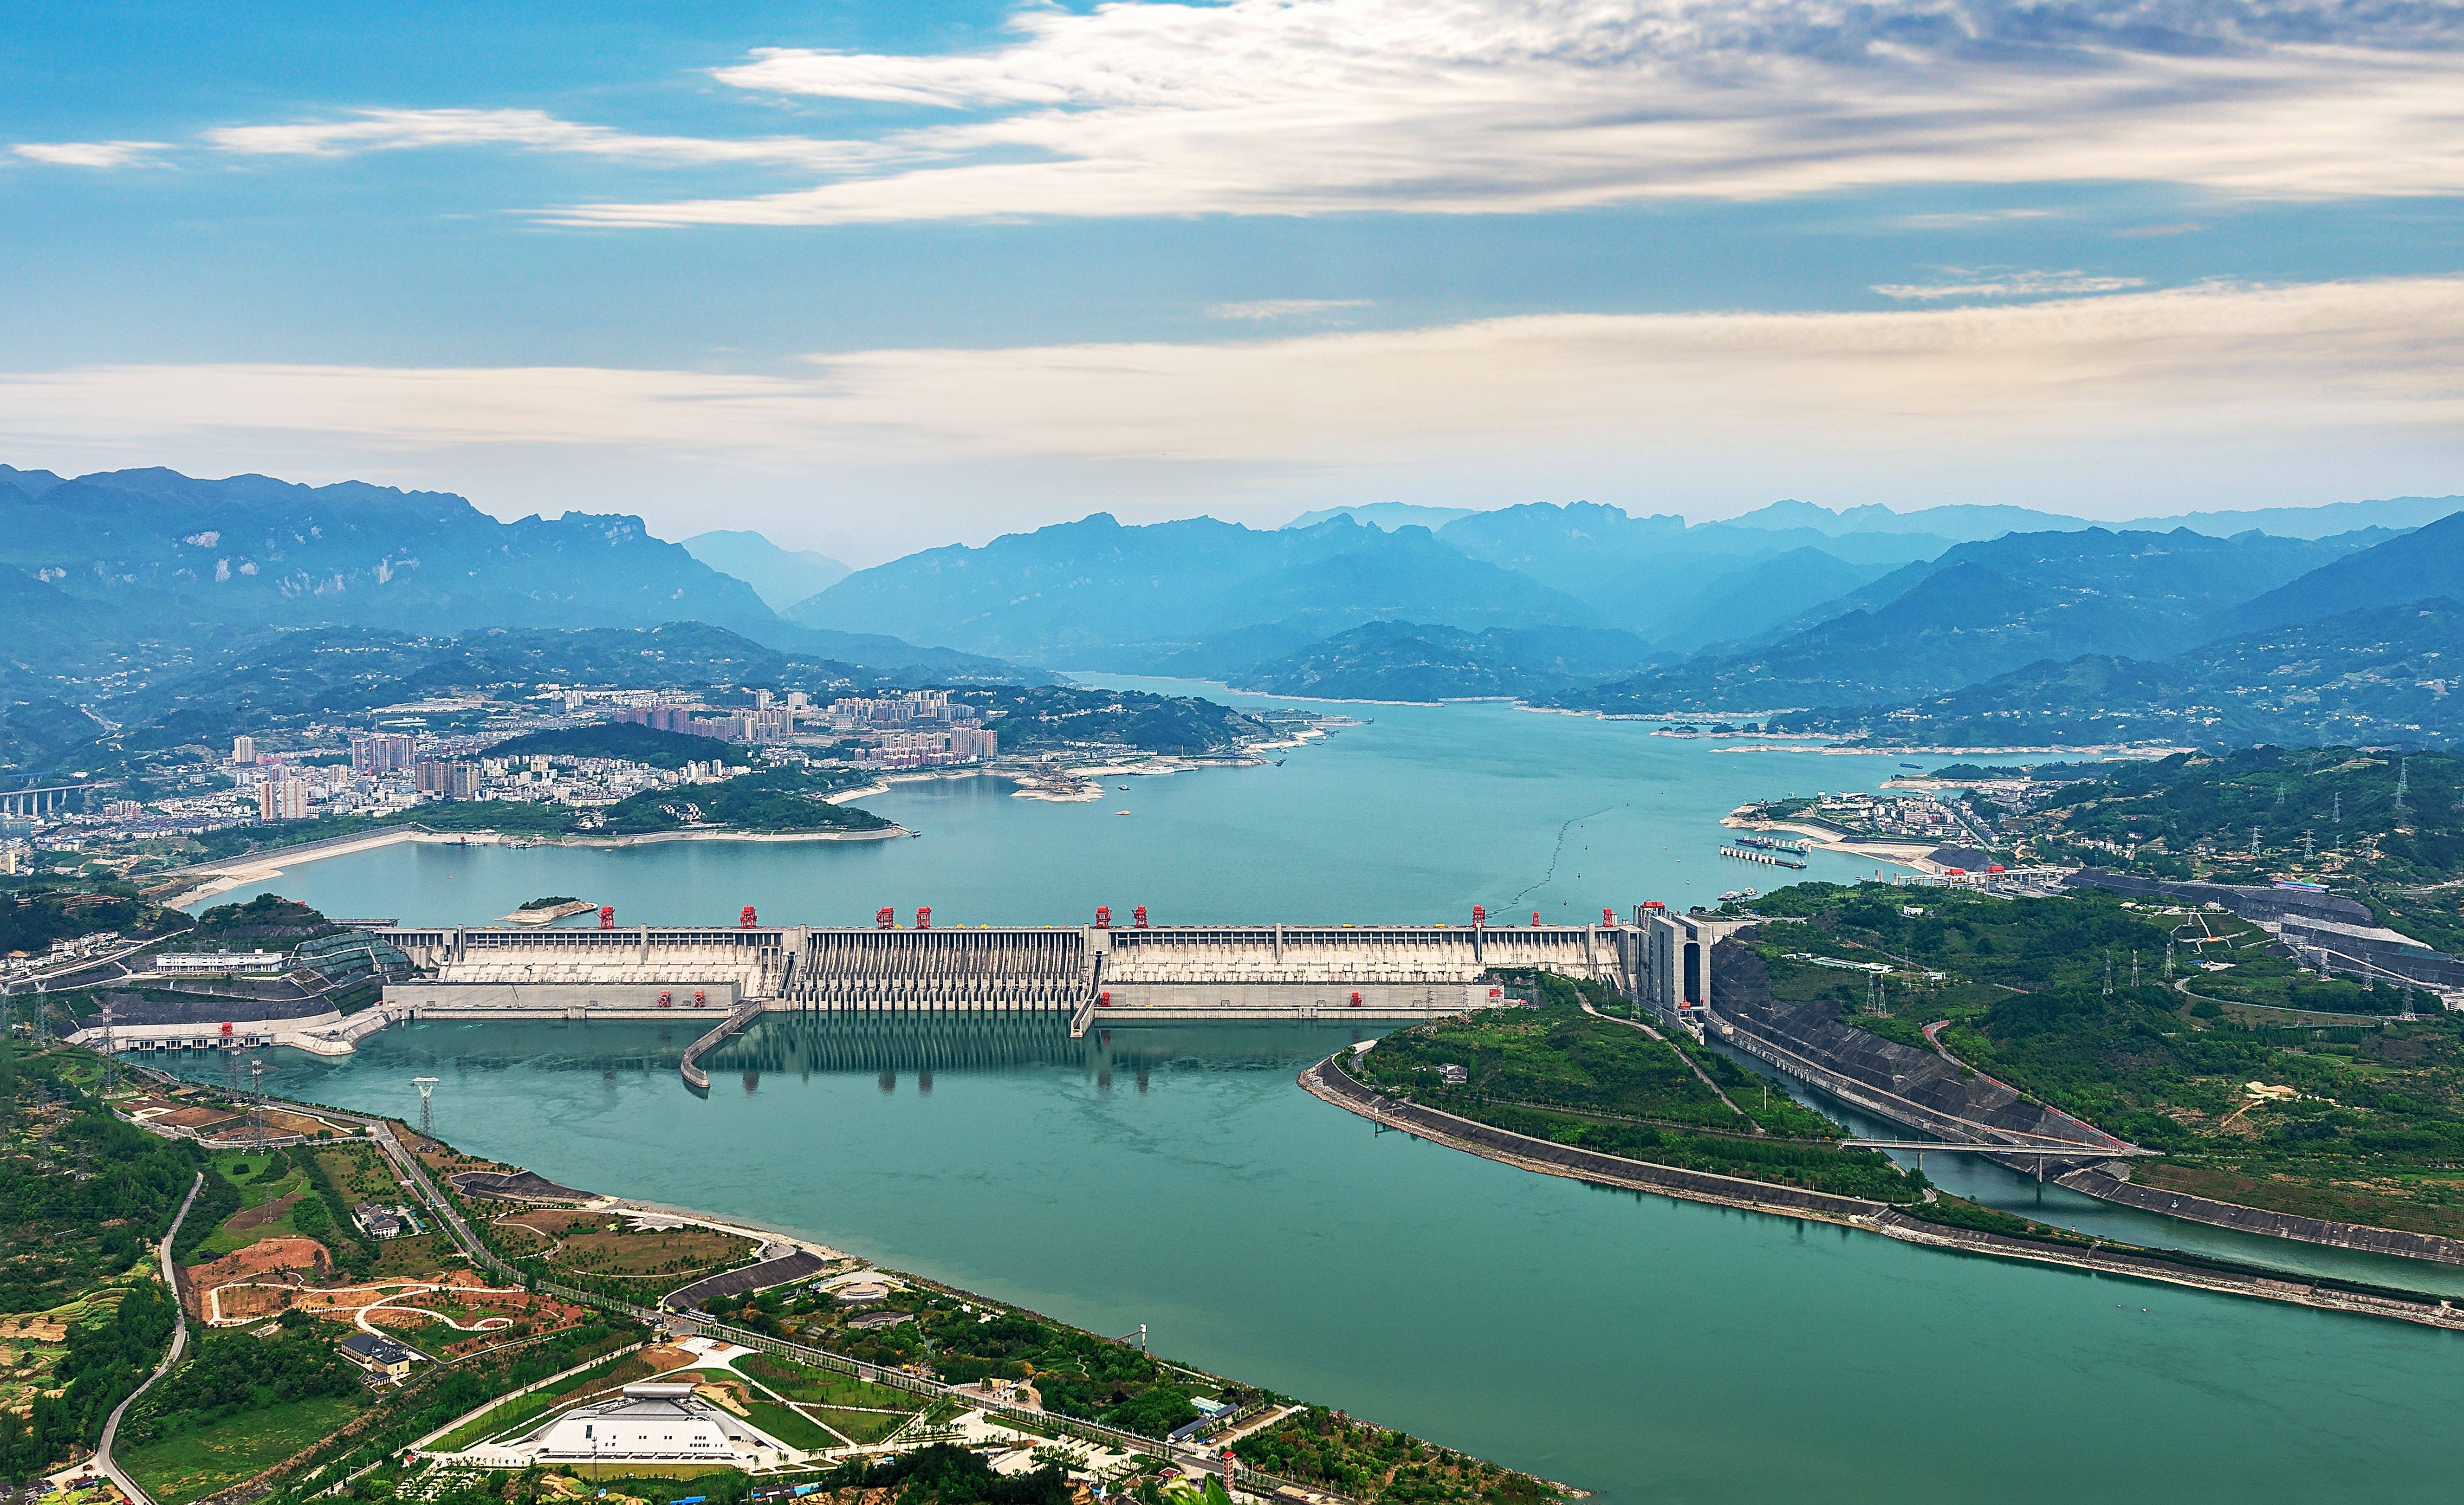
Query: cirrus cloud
(1319, 107)
(98, 154)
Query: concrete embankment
(1329, 1082)
(2234, 1215)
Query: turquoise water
(1415, 817)
(1637, 1348)
(1647, 1350)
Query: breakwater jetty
(1329, 1082)
(1767, 859)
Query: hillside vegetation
(2364, 1120)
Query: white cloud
(402, 130)
(103, 154)
(1268, 308)
(1310, 107)
(2002, 282)
(2218, 395)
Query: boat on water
(1911, 765)
(1733, 894)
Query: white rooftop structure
(656, 1423)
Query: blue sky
(871, 276)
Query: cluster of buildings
(920, 729)
(765, 723)
(380, 773)
(1911, 816)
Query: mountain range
(145, 604)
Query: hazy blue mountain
(1961, 523)
(781, 576)
(34, 483)
(1409, 661)
(1985, 609)
(2373, 677)
(253, 549)
(1096, 594)
(1756, 596)
(2428, 561)
(2312, 522)
(1387, 515)
(1671, 582)
(1969, 523)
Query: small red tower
(1103, 916)
(1139, 917)
(606, 916)
(924, 916)
(885, 919)
(747, 920)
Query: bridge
(42, 801)
(2038, 1152)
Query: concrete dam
(1080, 972)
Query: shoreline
(256, 867)
(1885, 1220)
(1916, 856)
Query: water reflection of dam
(814, 1043)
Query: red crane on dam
(1139, 917)
(924, 918)
(1103, 916)
(747, 920)
(885, 919)
(606, 916)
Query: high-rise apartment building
(456, 781)
(282, 800)
(244, 750)
(382, 753)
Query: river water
(1641, 1348)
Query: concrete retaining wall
(2257, 1220)
(1584, 1164)
(424, 1000)
(1133, 1002)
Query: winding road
(103, 1462)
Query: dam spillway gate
(1180, 973)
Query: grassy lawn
(246, 1170)
(822, 1388)
(789, 1428)
(414, 1257)
(242, 1229)
(861, 1427)
(501, 1418)
(194, 1464)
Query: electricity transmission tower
(427, 1086)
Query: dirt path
(1637, 1023)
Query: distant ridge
(1386, 514)
(781, 576)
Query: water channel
(1641, 1348)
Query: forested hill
(2381, 674)
(2384, 828)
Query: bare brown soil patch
(263, 1214)
(194, 1117)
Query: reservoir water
(1641, 1348)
